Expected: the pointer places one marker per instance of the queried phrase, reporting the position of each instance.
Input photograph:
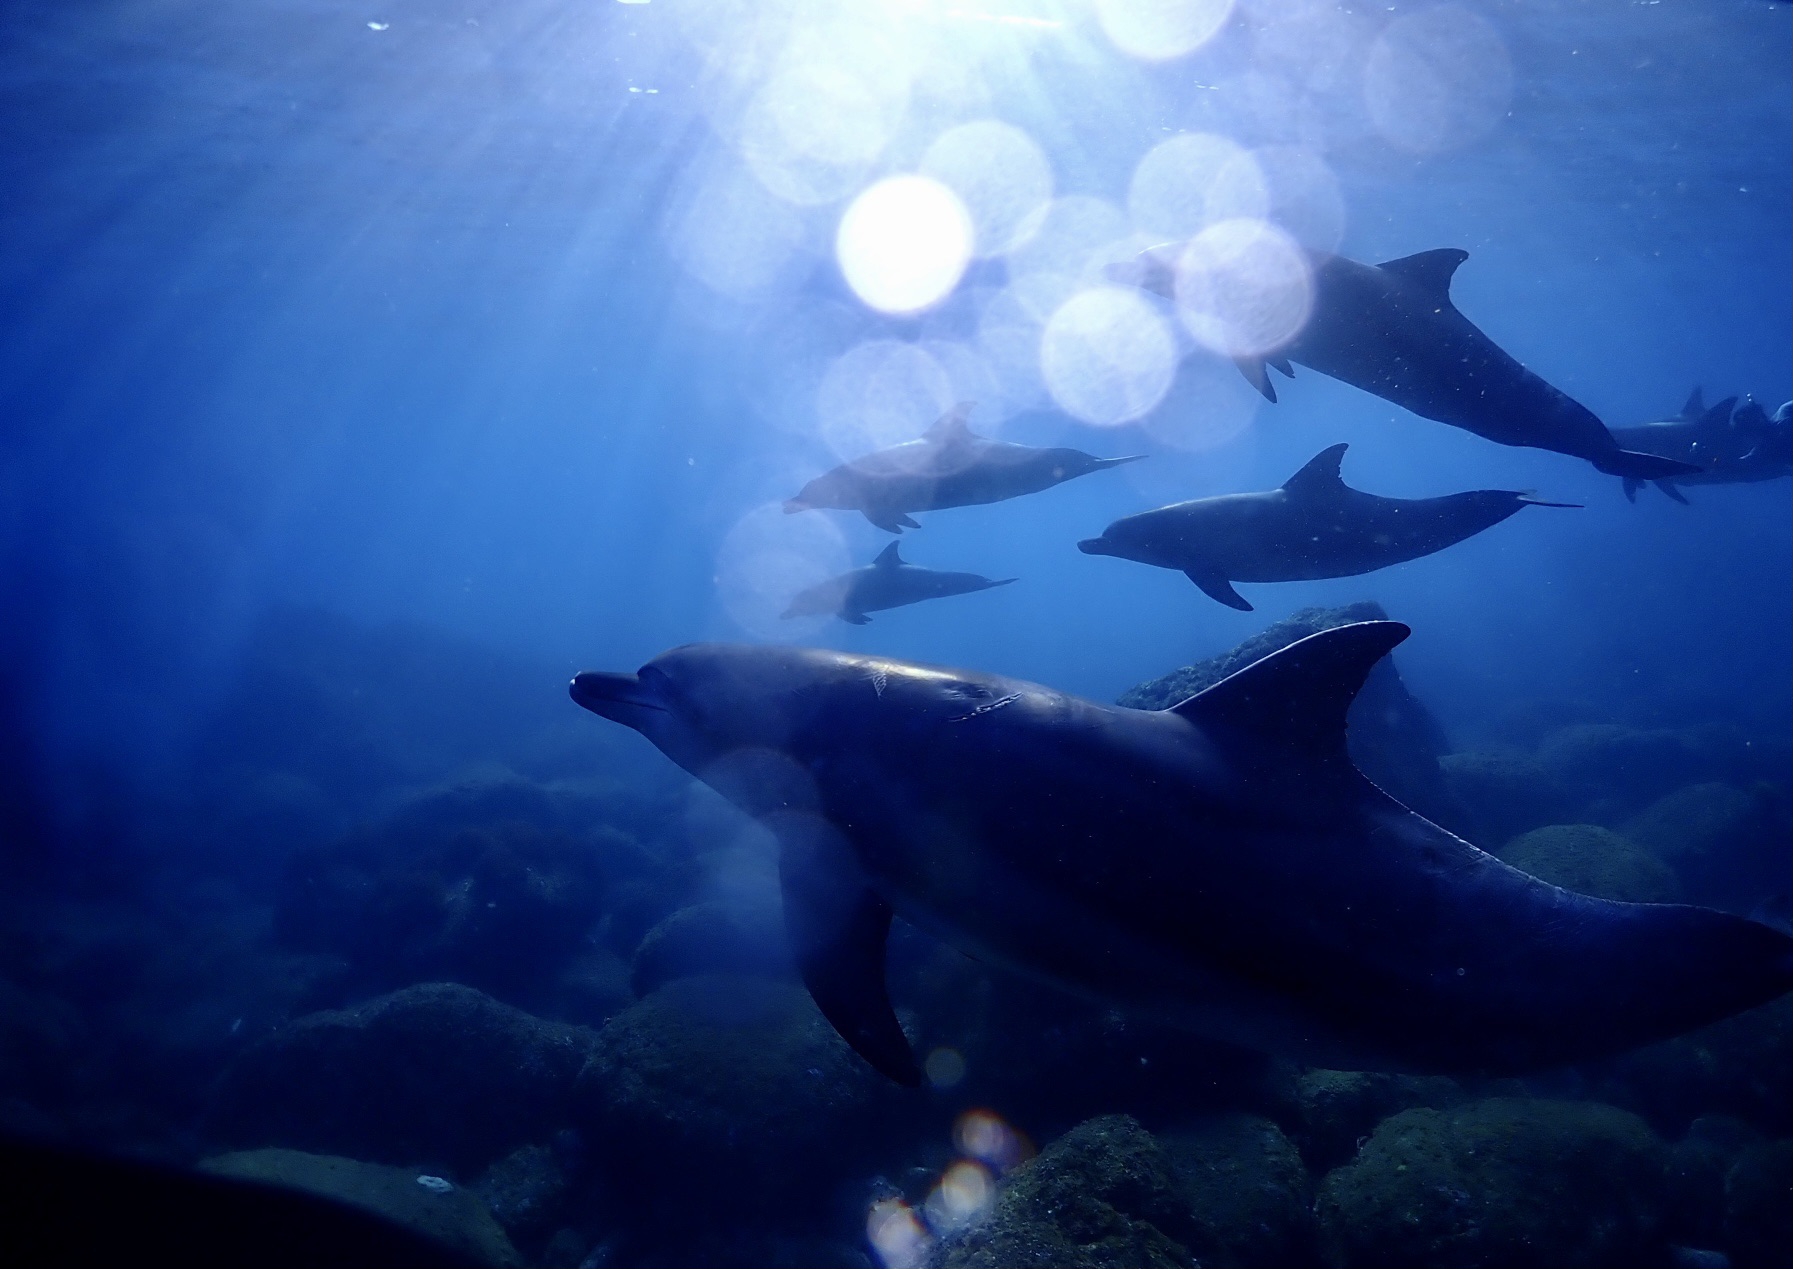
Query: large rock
(1759, 1206)
(1105, 1195)
(1503, 1182)
(1394, 740)
(1736, 1066)
(711, 938)
(1503, 793)
(1247, 1191)
(1593, 860)
(1694, 1208)
(453, 1216)
(438, 1074)
(1728, 845)
(1626, 768)
(1336, 1111)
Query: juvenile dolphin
(886, 582)
(1221, 863)
(950, 466)
(1314, 526)
(1391, 329)
(1732, 449)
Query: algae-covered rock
(710, 938)
(1728, 845)
(732, 1084)
(1105, 1195)
(1595, 861)
(1501, 1182)
(524, 1191)
(451, 1216)
(1694, 1205)
(1503, 793)
(438, 1073)
(1628, 766)
(1247, 1192)
(1736, 1066)
(1759, 1207)
(1336, 1111)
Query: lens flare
(965, 1191)
(898, 1238)
(1107, 357)
(766, 558)
(1001, 176)
(984, 1136)
(944, 1067)
(1158, 30)
(879, 394)
(1244, 288)
(1438, 79)
(904, 243)
(1189, 182)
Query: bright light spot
(1244, 288)
(984, 1136)
(944, 1068)
(1189, 182)
(769, 556)
(1158, 30)
(961, 1197)
(380, 26)
(904, 243)
(815, 128)
(879, 394)
(1305, 200)
(1106, 356)
(1000, 175)
(1437, 79)
(896, 1236)
(1076, 238)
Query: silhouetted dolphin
(1392, 329)
(1314, 526)
(950, 466)
(1730, 449)
(885, 583)
(1221, 863)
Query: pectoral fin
(1257, 376)
(1214, 586)
(838, 927)
(1669, 487)
(854, 618)
(889, 519)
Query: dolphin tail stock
(1530, 498)
(1672, 490)
(1641, 466)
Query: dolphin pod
(1221, 864)
(1392, 330)
(1313, 526)
(1732, 449)
(887, 582)
(949, 466)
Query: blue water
(477, 324)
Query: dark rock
(711, 938)
(1728, 845)
(1627, 768)
(436, 1074)
(1105, 1195)
(1336, 1111)
(525, 1191)
(1503, 793)
(1503, 1182)
(453, 1217)
(1593, 860)
(1737, 1066)
(1759, 1206)
(591, 990)
(1694, 1209)
(1247, 1191)
(1394, 740)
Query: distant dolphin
(1391, 329)
(1220, 863)
(886, 583)
(1314, 526)
(950, 466)
(1743, 448)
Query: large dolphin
(1731, 449)
(1392, 329)
(886, 582)
(1314, 526)
(950, 466)
(1221, 863)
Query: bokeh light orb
(944, 1067)
(1244, 288)
(881, 393)
(903, 244)
(1107, 356)
(1158, 30)
(766, 558)
(897, 1237)
(1438, 79)
(1001, 176)
(1189, 182)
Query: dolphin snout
(618, 697)
(1096, 546)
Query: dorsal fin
(1321, 474)
(888, 558)
(1430, 270)
(952, 426)
(1297, 698)
(1719, 415)
(1696, 405)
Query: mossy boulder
(1759, 1207)
(1737, 1066)
(1247, 1191)
(1503, 793)
(1593, 861)
(1628, 767)
(1694, 1207)
(1106, 1195)
(1336, 1111)
(453, 1217)
(1502, 1182)
(711, 938)
(1728, 845)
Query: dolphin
(950, 466)
(1221, 863)
(887, 582)
(1314, 526)
(1392, 330)
(1733, 449)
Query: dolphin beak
(1095, 546)
(1116, 462)
(622, 698)
(793, 505)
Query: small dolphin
(1732, 449)
(1391, 329)
(1221, 863)
(950, 466)
(1314, 526)
(885, 583)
